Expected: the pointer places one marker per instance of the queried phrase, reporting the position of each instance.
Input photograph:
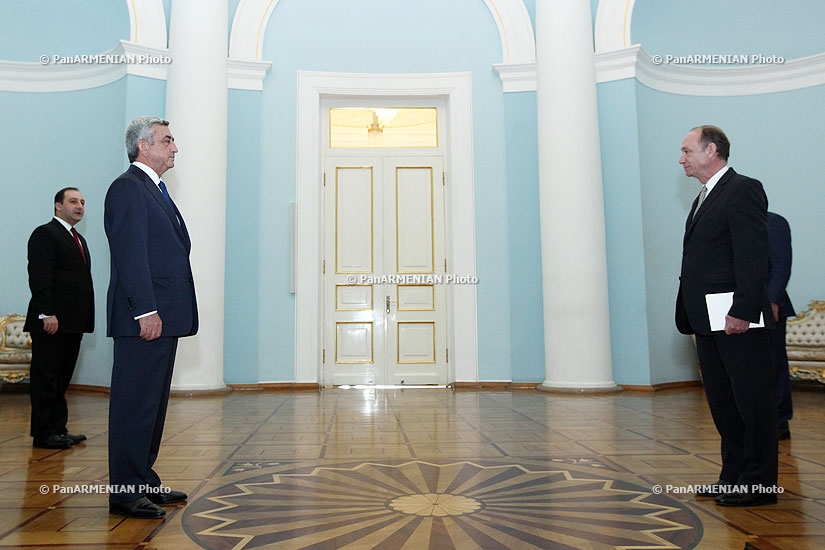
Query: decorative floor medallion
(419, 504)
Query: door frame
(385, 366)
(456, 90)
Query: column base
(611, 388)
(184, 391)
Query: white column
(196, 108)
(573, 255)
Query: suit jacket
(150, 269)
(725, 249)
(779, 264)
(60, 281)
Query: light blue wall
(243, 220)
(623, 224)
(526, 308)
(30, 29)
(787, 29)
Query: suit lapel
(154, 191)
(68, 240)
(711, 197)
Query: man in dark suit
(779, 273)
(150, 304)
(726, 250)
(60, 311)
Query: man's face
(160, 155)
(72, 208)
(696, 160)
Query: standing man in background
(61, 309)
(150, 304)
(779, 273)
(725, 250)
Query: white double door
(384, 271)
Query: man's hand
(735, 326)
(775, 308)
(150, 327)
(50, 324)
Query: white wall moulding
(83, 72)
(727, 77)
(517, 77)
(64, 73)
(247, 75)
(616, 64)
(146, 61)
(719, 76)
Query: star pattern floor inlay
(464, 504)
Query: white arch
(147, 23)
(612, 29)
(518, 42)
(515, 29)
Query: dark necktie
(79, 244)
(165, 193)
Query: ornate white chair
(15, 349)
(805, 342)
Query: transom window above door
(383, 127)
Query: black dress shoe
(52, 442)
(169, 497)
(140, 509)
(713, 490)
(75, 439)
(746, 499)
(784, 433)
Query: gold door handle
(388, 303)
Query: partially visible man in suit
(60, 311)
(779, 273)
(150, 304)
(725, 249)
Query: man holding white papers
(726, 250)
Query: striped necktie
(701, 199)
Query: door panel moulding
(455, 88)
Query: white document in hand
(719, 305)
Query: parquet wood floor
(414, 469)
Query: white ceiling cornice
(82, 72)
(734, 79)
